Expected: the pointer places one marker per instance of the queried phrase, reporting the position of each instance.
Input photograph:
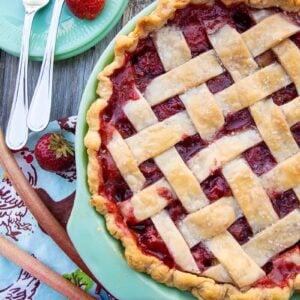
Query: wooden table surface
(72, 73)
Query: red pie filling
(285, 203)
(168, 108)
(139, 69)
(281, 269)
(265, 59)
(285, 94)
(219, 83)
(216, 186)
(260, 159)
(241, 230)
(151, 171)
(151, 243)
(296, 133)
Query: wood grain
(72, 73)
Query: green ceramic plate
(102, 253)
(74, 35)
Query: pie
(194, 143)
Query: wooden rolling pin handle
(40, 271)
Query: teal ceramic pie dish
(100, 251)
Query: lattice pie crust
(238, 266)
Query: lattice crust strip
(269, 118)
(140, 113)
(240, 266)
(259, 39)
(265, 245)
(253, 88)
(159, 137)
(288, 53)
(172, 47)
(207, 121)
(210, 221)
(284, 176)
(250, 195)
(274, 239)
(126, 163)
(205, 114)
(233, 52)
(291, 111)
(175, 242)
(147, 202)
(191, 74)
(182, 180)
(221, 152)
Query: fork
(17, 131)
(40, 107)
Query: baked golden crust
(200, 287)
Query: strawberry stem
(61, 146)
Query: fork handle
(17, 131)
(40, 108)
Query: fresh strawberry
(54, 153)
(86, 9)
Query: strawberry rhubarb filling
(139, 69)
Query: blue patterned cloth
(18, 225)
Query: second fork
(40, 108)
